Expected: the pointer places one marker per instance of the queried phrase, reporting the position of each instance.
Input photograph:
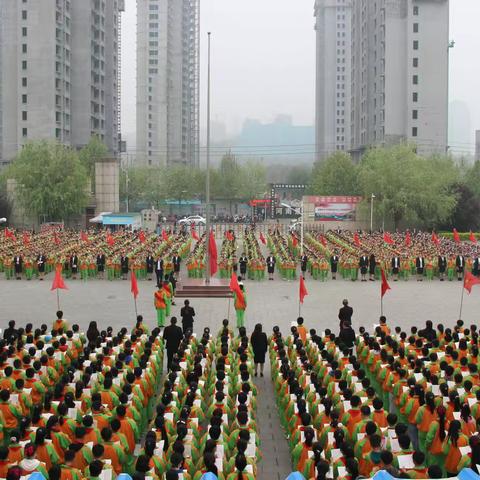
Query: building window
(415, 11)
(414, 132)
(24, 14)
(24, 81)
(415, 79)
(24, 132)
(24, 98)
(24, 31)
(415, 44)
(24, 64)
(415, 62)
(415, 97)
(24, 48)
(24, 116)
(415, 28)
(415, 114)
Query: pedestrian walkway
(275, 464)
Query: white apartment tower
(59, 72)
(168, 82)
(333, 80)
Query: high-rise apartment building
(399, 75)
(59, 72)
(333, 79)
(168, 82)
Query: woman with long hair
(426, 414)
(435, 437)
(240, 469)
(451, 447)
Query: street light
(371, 212)
(300, 212)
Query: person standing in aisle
(187, 313)
(240, 306)
(259, 343)
(271, 266)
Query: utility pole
(207, 196)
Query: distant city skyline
(264, 64)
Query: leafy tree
(253, 180)
(299, 174)
(51, 180)
(229, 180)
(465, 216)
(336, 175)
(94, 150)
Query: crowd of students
(405, 403)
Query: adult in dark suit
(363, 265)
(345, 314)
(187, 313)
(270, 266)
(176, 261)
(159, 271)
(442, 267)
(41, 260)
(395, 268)
(149, 261)
(476, 266)
(460, 264)
(124, 265)
(334, 265)
(173, 336)
(243, 262)
(372, 265)
(420, 266)
(346, 337)
(304, 264)
(18, 264)
(101, 260)
(259, 344)
(74, 265)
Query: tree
(93, 151)
(299, 174)
(408, 187)
(253, 180)
(51, 180)
(229, 180)
(336, 175)
(465, 216)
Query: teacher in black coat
(259, 343)
(345, 314)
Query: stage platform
(197, 288)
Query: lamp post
(371, 212)
(207, 196)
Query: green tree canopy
(51, 180)
(336, 175)
(93, 151)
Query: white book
(405, 461)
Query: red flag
(356, 239)
(323, 240)
(262, 238)
(408, 239)
(456, 236)
(26, 239)
(388, 239)
(473, 238)
(193, 232)
(294, 241)
(9, 234)
(84, 237)
(235, 287)
(134, 285)
(435, 239)
(469, 281)
(212, 250)
(229, 236)
(385, 285)
(142, 237)
(164, 236)
(303, 289)
(110, 240)
(56, 240)
(58, 282)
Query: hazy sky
(263, 61)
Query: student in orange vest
(302, 331)
(160, 301)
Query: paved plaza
(270, 303)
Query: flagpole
(207, 193)
(58, 300)
(228, 313)
(136, 313)
(461, 302)
(381, 305)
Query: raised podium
(197, 288)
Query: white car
(3, 220)
(193, 220)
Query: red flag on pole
(110, 240)
(408, 240)
(212, 249)
(469, 281)
(235, 288)
(356, 239)
(56, 240)
(385, 285)
(303, 289)
(164, 236)
(473, 238)
(58, 282)
(142, 237)
(193, 232)
(84, 237)
(262, 238)
(388, 239)
(229, 236)
(456, 236)
(435, 239)
(323, 240)
(294, 241)
(134, 285)
(26, 239)
(9, 234)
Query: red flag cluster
(235, 288)
(212, 250)
(388, 239)
(9, 234)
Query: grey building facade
(168, 47)
(59, 72)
